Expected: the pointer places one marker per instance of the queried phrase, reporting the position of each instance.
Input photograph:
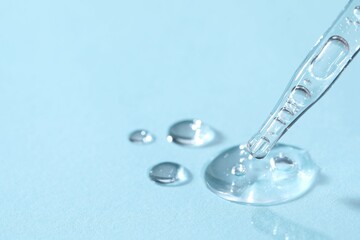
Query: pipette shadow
(277, 227)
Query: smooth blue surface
(76, 77)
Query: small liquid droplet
(191, 132)
(238, 170)
(330, 57)
(141, 137)
(169, 173)
(357, 11)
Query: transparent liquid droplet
(141, 136)
(357, 12)
(191, 132)
(284, 174)
(331, 55)
(169, 173)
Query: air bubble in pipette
(299, 95)
(331, 55)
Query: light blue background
(76, 77)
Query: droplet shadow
(352, 203)
(278, 227)
(322, 179)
